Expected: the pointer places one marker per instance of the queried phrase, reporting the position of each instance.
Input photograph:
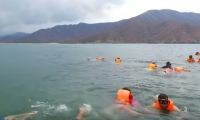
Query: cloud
(17, 13)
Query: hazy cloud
(16, 13)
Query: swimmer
(24, 116)
(152, 66)
(100, 58)
(197, 53)
(118, 60)
(125, 101)
(96, 59)
(162, 103)
(168, 65)
(190, 59)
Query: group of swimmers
(125, 101)
(153, 65)
(117, 60)
(191, 58)
(168, 67)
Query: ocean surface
(57, 79)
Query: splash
(61, 108)
(47, 108)
(87, 107)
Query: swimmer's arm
(80, 114)
(177, 109)
(21, 116)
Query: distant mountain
(13, 37)
(154, 26)
(61, 33)
(166, 15)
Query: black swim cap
(162, 97)
(190, 56)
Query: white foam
(48, 108)
(185, 109)
(39, 104)
(156, 97)
(61, 108)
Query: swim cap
(162, 97)
(190, 56)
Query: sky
(31, 15)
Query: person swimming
(168, 65)
(197, 53)
(190, 59)
(118, 60)
(100, 58)
(163, 103)
(152, 66)
(125, 101)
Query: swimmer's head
(197, 53)
(163, 100)
(190, 56)
(168, 63)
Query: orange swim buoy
(170, 107)
(124, 97)
(118, 60)
(178, 69)
(152, 66)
